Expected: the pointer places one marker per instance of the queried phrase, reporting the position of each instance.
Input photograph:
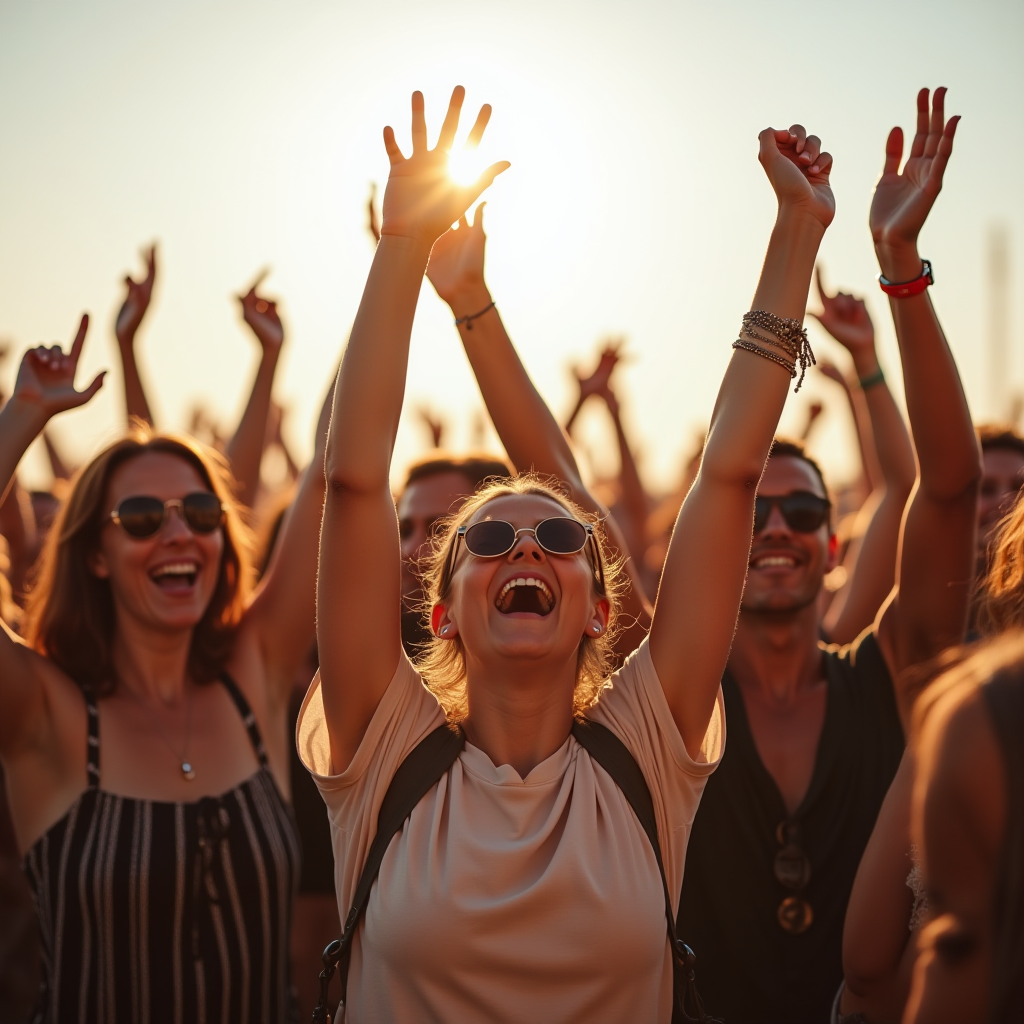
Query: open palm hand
(46, 378)
(902, 201)
(421, 200)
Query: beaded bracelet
(790, 337)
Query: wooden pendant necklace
(188, 773)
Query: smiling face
(527, 604)
(164, 582)
(787, 567)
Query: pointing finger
(76, 345)
(921, 135)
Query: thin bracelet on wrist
(878, 377)
(468, 320)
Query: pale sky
(244, 135)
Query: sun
(465, 166)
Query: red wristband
(904, 289)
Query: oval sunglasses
(493, 538)
(144, 516)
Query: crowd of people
(747, 752)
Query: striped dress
(167, 912)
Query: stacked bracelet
(785, 343)
(468, 320)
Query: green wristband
(878, 377)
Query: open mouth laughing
(176, 577)
(525, 594)
(778, 560)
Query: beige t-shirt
(509, 899)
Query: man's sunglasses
(803, 511)
(144, 516)
(557, 536)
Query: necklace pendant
(187, 771)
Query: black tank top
(154, 912)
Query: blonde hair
(70, 611)
(1000, 597)
(442, 663)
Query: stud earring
(444, 630)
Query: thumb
(88, 394)
(488, 176)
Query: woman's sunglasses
(803, 511)
(144, 516)
(494, 537)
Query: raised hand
(798, 171)
(137, 300)
(599, 382)
(456, 264)
(421, 201)
(902, 201)
(846, 318)
(261, 315)
(46, 378)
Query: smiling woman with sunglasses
(143, 727)
(522, 886)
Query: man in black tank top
(816, 732)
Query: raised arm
(45, 387)
(245, 449)
(130, 316)
(928, 609)
(283, 610)
(701, 586)
(872, 568)
(358, 585)
(528, 430)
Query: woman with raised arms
(144, 727)
(522, 887)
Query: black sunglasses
(802, 510)
(495, 537)
(145, 516)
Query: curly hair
(1000, 596)
(69, 616)
(442, 663)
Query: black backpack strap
(421, 770)
(614, 757)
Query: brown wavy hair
(999, 601)
(69, 616)
(442, 663)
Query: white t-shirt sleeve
(635, 709)
(407, 713)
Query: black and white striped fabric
(164, 912)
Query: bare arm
(886, 443)
(706, 566)
(528, 430)
(45, 387)
(245, 449)
(284, 606)
(358, 585)
(928, 608)
(129, 318)
(636, 504)
(877, 941)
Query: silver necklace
(188, 773)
